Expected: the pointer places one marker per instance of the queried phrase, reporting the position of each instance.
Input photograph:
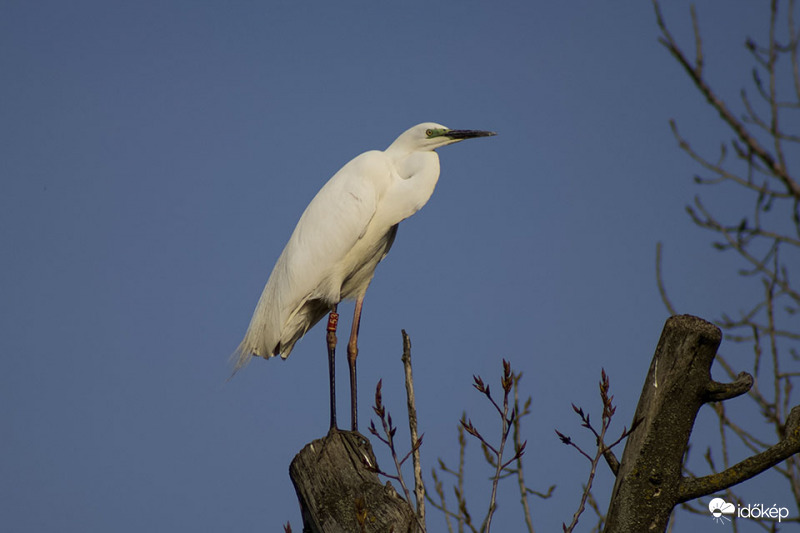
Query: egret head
(430, 136)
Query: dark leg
(333, 319)
(352, 353)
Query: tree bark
(339, 491)
(649, 480)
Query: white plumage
(343, 234)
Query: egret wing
(308, 275)
(335, 220)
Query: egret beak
(460, 135)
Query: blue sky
(158, 154)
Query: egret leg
(352, 354)
(333, 320)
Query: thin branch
(696, 74)
(419, 487)
(517, 448)
(602, 448)
(660, 280)
(507, 418)
(389, 431)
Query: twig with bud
(494, 455)
(603, 450)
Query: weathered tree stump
(339, 491)
(650, 481)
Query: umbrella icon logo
(719, 508)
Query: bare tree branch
(750, 467)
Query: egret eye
(428, 133)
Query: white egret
(344, 233)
